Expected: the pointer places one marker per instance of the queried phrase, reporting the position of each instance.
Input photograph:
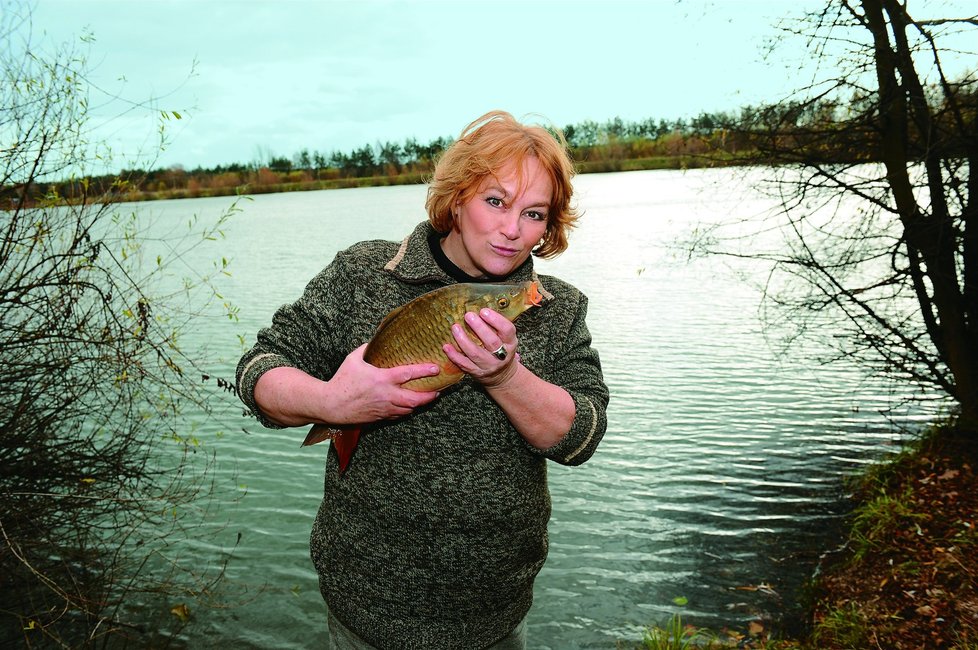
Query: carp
(415, 333)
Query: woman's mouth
(505, 251)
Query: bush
(98, 475)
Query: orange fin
(344, 440)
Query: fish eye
(503, 302)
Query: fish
(415, 332)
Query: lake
(720, 479)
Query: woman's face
(497, 229)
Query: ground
(910, 577)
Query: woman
(435, 532)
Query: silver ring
(500, 353)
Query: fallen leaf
(951, 473)
(181, 611)
(755, 628)
(926, 610)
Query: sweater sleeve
(302, 335)
(578, 371)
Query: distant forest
(825, 129)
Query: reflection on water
(719, 480)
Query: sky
(252, 79)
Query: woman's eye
(536, 216)
(494, 201)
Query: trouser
(340, 638)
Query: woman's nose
(511, 224)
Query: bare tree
(98, 475)
(875, 167)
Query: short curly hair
(486, 146)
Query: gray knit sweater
(434, 535)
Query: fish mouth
(533, 295)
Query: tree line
(826, 129)
(598, 146)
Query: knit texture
(434, 535)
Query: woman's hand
(369, 393)
(357, 393)
(496, 333)
(540, 411)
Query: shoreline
(677, 162)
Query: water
(719, 480)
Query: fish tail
(344, 440)
(345, 443)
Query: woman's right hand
(367, 393)
(357, 393)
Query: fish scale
(416, 332)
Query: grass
(880, 517)
(844, 627)
(676, 636)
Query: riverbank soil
(910, 577)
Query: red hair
(486, 146)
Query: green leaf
(682, 601)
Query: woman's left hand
(540, 411)
(497, 334)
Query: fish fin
(320, 432)
(345, 443)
